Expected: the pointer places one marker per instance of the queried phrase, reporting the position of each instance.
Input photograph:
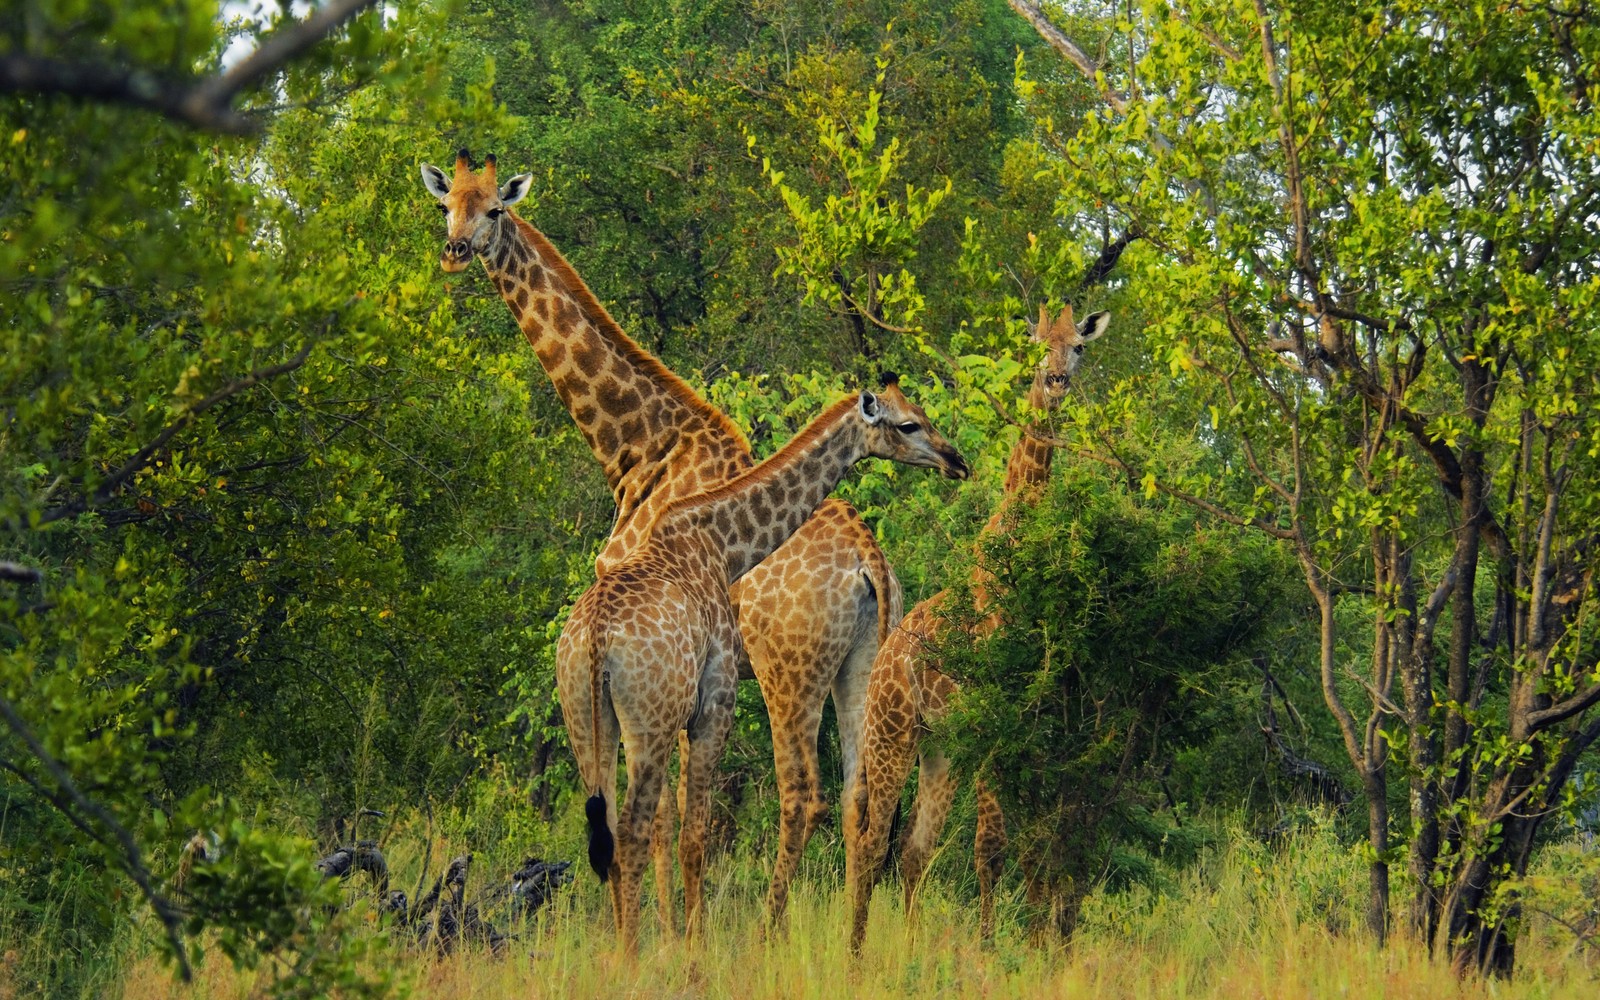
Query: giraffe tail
(602, 844)
(894, 839)
(881, 575)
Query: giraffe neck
(1029, 464)
(631, 409)
(749, 517)
(1027, 469)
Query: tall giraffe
(907, 691)
(813, 614)
(651, 648)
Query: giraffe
(906, 691)
(812, 615)
(650, 649)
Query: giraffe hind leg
(988, 855)
(935, 793)
(701, 748)
(667, 812)
(886, 754)
(647, 763)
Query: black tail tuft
(601, 847)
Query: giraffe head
(1063, 340)
(898, 429)
(474, 206)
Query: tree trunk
(1415, 656)
(1362, 752)
(1376, 785)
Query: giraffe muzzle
(956, 467)
(457, 255)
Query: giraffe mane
(596, 312)
(767, 468)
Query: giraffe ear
(515, 189)
(1094, 326)
(435, 181)
(1038, 328)
(871, 409)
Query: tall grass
(1249, 920)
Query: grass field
(1247, 921)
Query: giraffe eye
(1078, 349)
(494, 213)
(443, 208)
(910, 427)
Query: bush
(1118, 619)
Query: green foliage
(275, 492)
(307, 512)
(851, 248)
(1117, 620)
(1370, 300)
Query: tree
(1370, 264)
(249, 471)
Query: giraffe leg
(800, 803)
(850, 699)
(886, 752)
(935, 793)
(988, 855)
(701, 749)
(648, 755)
(661, 853)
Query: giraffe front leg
(703, 744)
(935, 793)
(988, 855)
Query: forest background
(291, 518)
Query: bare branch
(1102, 266)
(1575, 704)
(205, 103)
(1058, 40)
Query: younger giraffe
(652, 647)
(906, 691)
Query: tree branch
(12, 572)
(132, 858)
(142, 458)
(206, 102)
(1575, 704)
(1058, 40)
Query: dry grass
(1248, 922)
